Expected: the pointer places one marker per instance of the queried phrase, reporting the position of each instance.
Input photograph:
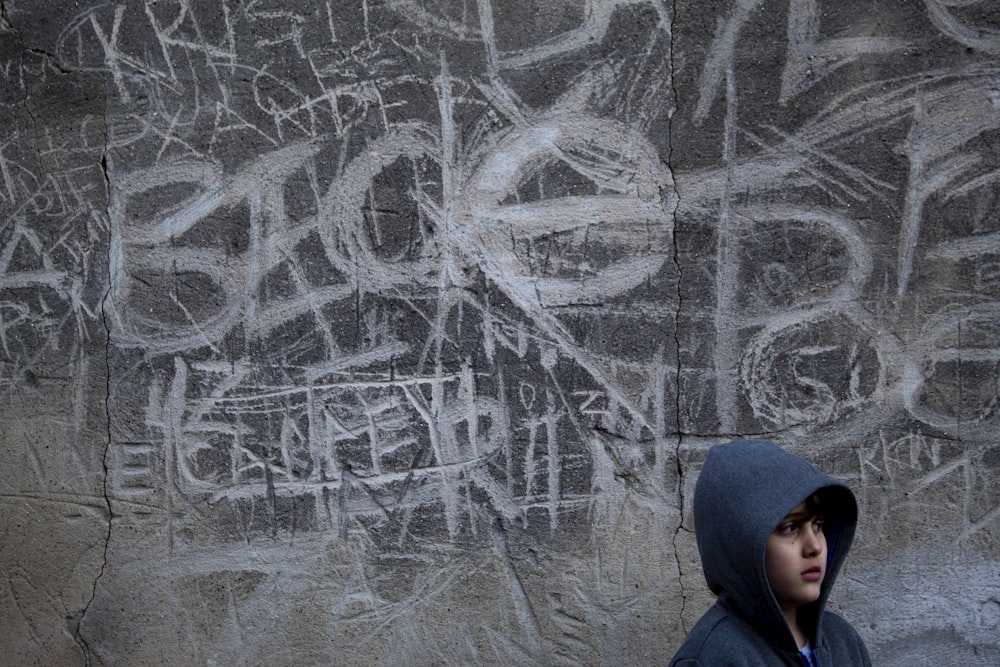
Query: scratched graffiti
(375, 289)
(439, 287)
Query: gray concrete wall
(393, 332)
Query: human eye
(818, 523)
(786, 528)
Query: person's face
(795, 558)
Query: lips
(814, 573)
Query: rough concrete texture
(393, 332)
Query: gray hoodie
(745, 489)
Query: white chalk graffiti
(409, 284)
(423, 307)
(428, 434)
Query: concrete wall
(393, 332)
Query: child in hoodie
(772, 532)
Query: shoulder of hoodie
(722, 638)
(842, 640)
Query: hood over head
(746, 487)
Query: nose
(815, 541)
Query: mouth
(814, 573)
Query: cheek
(776, 561)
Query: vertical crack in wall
(78, 633)
(37, 121)
(677, 317)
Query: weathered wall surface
(394, 332)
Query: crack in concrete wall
(416, 323)
(77, 630)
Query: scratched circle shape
(951, 377)
(814, 366)
(135, 248)
(834, 239)
(628, 219)
(348, 236)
